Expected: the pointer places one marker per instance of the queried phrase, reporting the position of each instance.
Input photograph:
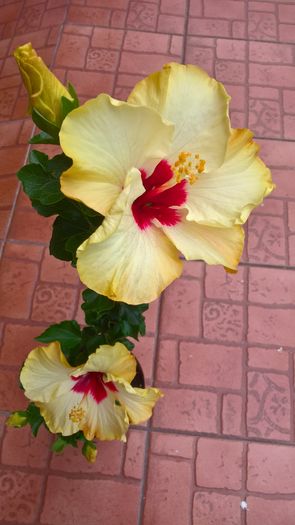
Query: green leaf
(45, 125)
(67, 106)
(129, 345)
(40, 180)
(46, 210)
(61, 231)
(37, 157)
(88, 449)
(65, 208)
(50, 193)
(74, 241)
(43, 138)
(95, 306)
(62, 441)
(58, 164)
(68, 333)
(73, 93)
(38, 185)
(71, 339)
(69, 233)
(91, 339)
(34, 418)
(114, 320)
(59, 444)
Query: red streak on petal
(157, 201)
(93, 383)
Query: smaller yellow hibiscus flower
(43, 87)
(96, 397)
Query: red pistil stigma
(158, 201)
(94, 384)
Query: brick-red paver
(168, 497)
(219, 464)
(219, 346)
(109, 499)
(212, 508)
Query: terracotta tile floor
(220, 346)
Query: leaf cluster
(115, 320)
(75, 222)
(61, 442)
(107, 321)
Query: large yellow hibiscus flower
(96, 397)
(170, 176)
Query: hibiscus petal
(212, 245)
(56, 413)
(46, 373)
(138, 402)
(195, 103)
(124, 262)
(106, 420)
(227, 196)
(115, 360)
(106, 138)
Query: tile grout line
(244, 385)
(226, 437)
(244, 490)
(148, 429)
(13, 207)
(291, 386)
(245, 368)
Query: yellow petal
(106, 420)
(124, 262)
(106, 138)
(195, 103)
(46, 374)
(138, 402)
(43, 87)
(227, 196)
(56, 412)
(115, 360)
(208, 243)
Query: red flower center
(157, 201)
(94, 384)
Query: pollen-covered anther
(201, 166)
(77, 414)
(188, 166)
